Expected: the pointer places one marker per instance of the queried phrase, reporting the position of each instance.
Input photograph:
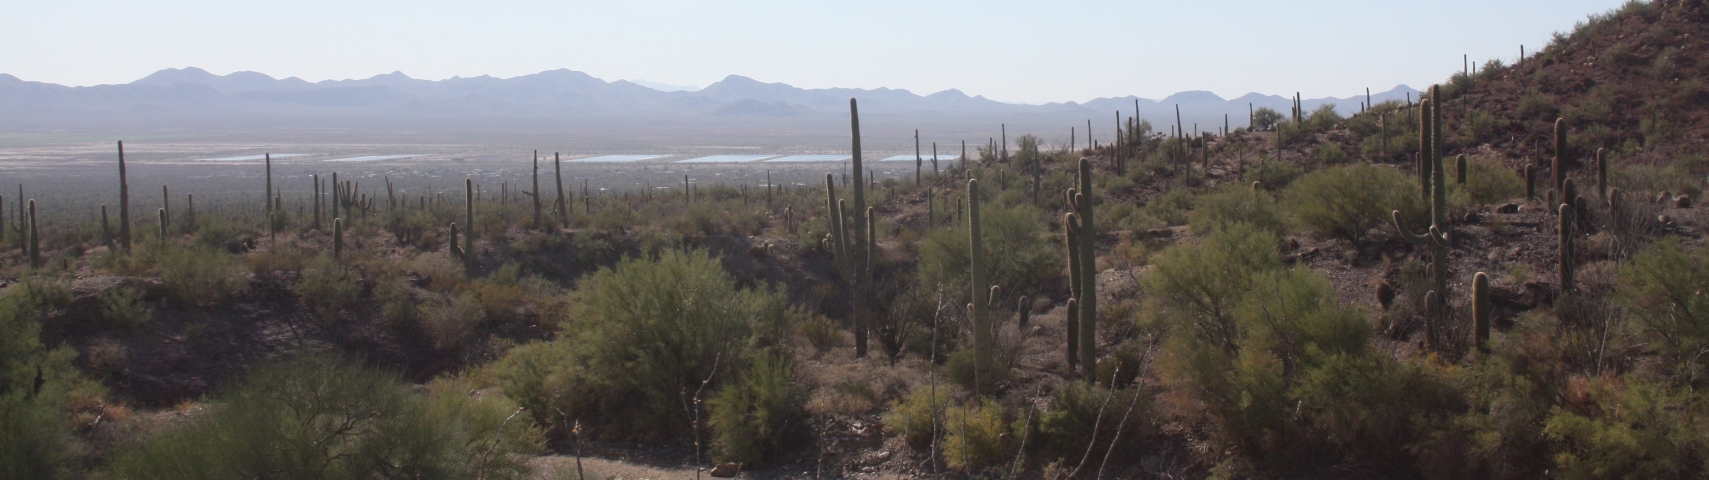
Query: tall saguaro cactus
(337, 238)
(35, 242)
(563, 205)
(1435, 237)
(1601, 174)
(1082, 246)
(863, 275)
(124, 202)
(1559, 169)
(982, 338)
(1071, 243)
(469, 239)
(537, 223)
(1567, 253)
(267, 195)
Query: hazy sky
(1012, 51)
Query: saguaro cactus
(317, 201)
(469, 239)
(166, 206)
(35, 243)
(536, 194)
(1566, 248)
(124, 202)
(1424, 144)
(982, 338)
(1530, 183)
(1088, 268)
(1460, 169)
(1559, 169)
(1601, 174)
(266, 195)
(337, 238)
(1435, 237)
(162, 213)
(1480, 311)
(1071, 243)
(562, 206)
(1023, 311)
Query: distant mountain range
(194, 98)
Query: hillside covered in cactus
(1500, 277)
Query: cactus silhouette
(982, 338)
(1435, 237)
(1480, 311)
(124, 202)
(35, 242)
(1566, 248)
(1071, 243)
(337, 238)
(1559, 169)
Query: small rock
(1473, 218)
(1663, 198)
(1682, 201)
(1508, 208)
(725, 470)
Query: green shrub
(323, 418)
(1264, 118)
(642, 334)
(1662, 288)
(1236, 204)
(821, 332)
(36, 439)
(124, 309)
(1328, 153)
(328, 286)
(1065, 429)
(918, 416)
(201, 276)
(451, 321)
(1323, 118)
(1023, 255)
(959, 369)
(1203, 281)
(1172, 208)
(1274, 174)
(1643, 431)
(1346, 202)
(1489, 181)
(977, 436)
(1534, 105)
(758, 416)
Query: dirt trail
(554, 467)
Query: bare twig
(485, 457)
(694, 412)
(1092, 443)
(1138, 386)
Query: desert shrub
(201, 276)
(821, 332)
(440, 272)
(1019, 254)
(1477, 128)
(642, 335)
(124, 309)
(328, 286)
(324, 418)
(1201, 283)
(1650, 180)
(1534, 105)
(1328, 153)
(757, 416)
(918, 416)
(1065, 429)
(1323, 118)
(1171, 208)
(36, 440)
(1264, 118)
(1345, 202)
(960, 369)
(1274, 174)
(450, 321)
(1661, 288)
(1641, 431)
(1234, 204)
(1488, 181)
(977, 436)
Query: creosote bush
(977, 436)
(919, 415)
(201, 276)
(1346, 202)
(757, 416)
(317, 417)
(641, 337)
(1236, 203)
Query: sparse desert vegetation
(1503, 279)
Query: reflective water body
(810, 158)
(726, 159)
(619, 158)
(245, 158)
(370, 158)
